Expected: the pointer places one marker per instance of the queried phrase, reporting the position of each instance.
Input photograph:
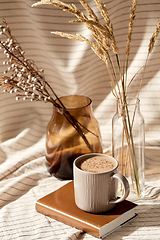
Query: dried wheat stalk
(104, 39)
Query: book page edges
(116, 223)
(115, 229)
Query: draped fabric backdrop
(72, 68)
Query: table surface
(21, 188)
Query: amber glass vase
(71, 132)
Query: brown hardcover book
(61, 206)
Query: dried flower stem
(28, 82)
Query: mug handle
(125, 184)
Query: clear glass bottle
(128, 145)
(65, 142)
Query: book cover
(61, 206)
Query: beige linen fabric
(72, 68)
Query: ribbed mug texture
(93, 191)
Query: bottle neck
(132, 106)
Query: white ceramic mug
(97, 192)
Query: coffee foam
(98, 164)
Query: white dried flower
(19, 75)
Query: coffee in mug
(96, 182)
(97, 164)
